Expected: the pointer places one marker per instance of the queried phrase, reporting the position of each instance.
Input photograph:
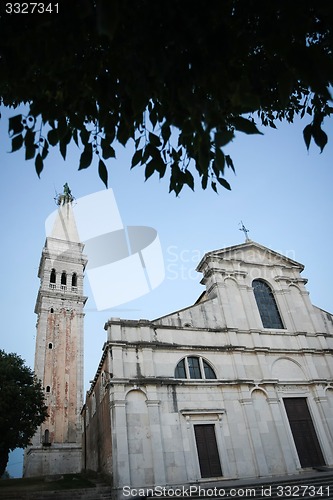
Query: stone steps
(305, 486)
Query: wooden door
(208, 454)
(303, 431)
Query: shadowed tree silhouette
(22, 407)
(177, 79)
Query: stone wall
(97, 443)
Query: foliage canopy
(177, 79)
(22, 407)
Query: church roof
(249, 251)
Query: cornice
(215, 348)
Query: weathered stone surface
(56, 446)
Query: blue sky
(282, 193)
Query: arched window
(48, 388)
(93, 404)
(74, 280)
(46, 436)
(50, 345)
(268, 310)
(63, 278)
(194, 367)
(53, 276)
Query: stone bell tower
(56, 447)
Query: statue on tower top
(66, 197)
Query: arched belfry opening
(53, 276)
(74, 280)
(63, 278)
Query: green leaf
(84, 136)
(153, 151)
(154, 140)
(137, 157)
(307, 134)
(153, 116)
(107, 150)
(102, 172)
(188, 179)
(110, 129)
(53, 137)
(15, 125)
(137, 141)
(175, 179)
(219, 162)
(223, 137)
(63, 149)
(62, 126)
(319, 136)
(213, 184)
(64, 141)
(75, 137)
(123, 133)
(161, 167)
(86, 157)
(166, 133)
(17, 142)
(45, 149)
(245, 125)
(29, 142)
(145, 155)
(151, 167)
(204, 181)
(224, 183)
(39, 165)
(230, 163)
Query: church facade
(239, 385)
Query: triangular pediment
(252, 253)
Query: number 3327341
(32, 8)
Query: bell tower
(56, 447)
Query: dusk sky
(281, 192)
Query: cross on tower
(245, 231)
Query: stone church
(238, 385)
